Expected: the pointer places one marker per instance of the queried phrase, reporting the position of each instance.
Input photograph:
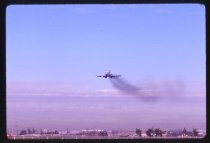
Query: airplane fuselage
(109, 75)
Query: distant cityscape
(32, 133)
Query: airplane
(109, 75)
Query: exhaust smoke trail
(151, 91)
(130, 89)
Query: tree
(29, 131)
(33, 131)
(158, 132)
(150, 132)
(23, 132)
(195, 132)
(184, 132)
(138, 132)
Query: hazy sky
(55, 52)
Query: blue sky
(77, 42)
(73, 43)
